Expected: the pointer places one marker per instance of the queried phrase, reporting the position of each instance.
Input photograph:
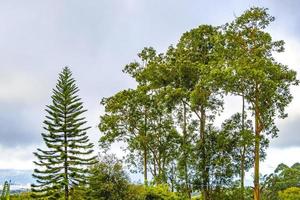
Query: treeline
(109, 181)
(168, 121)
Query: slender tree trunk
(187, 187)
(145, 150)
(243, 151)
(66, 170)
(66, 158)
(256, 167)
(145, 166)
(154, 165)
(243, 174)
(256, 153)
(205, 169)
(172, 177)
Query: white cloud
(17, 158)
(18, 86)
(276, 156)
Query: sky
(97, 38)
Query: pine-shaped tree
(63, 164)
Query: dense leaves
(108, 180)
(284, 177)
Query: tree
(64, 162)
(108, 180)
(126, 119)
(282, 178)
(173, 80)
(197, 54)
(254, 74)
(187, 72)
(5, 191)
(138, 118)
(240, 130)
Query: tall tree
(139, 119)
(187, 72)
(256, 75)
(197, 53)
(64, 162)
(126, 119)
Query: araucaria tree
(63, 164)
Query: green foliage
(140, 119)
(241, 137)
(167, 121)
(108, 181)
(5, 195)
(292, 193)
(136, 192)
(251, 71)
(61, 165)
(23, 196)
(283, 177)
(160, 192)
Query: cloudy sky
(96, 38)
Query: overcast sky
(97, 39)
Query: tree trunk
(145, 149)
(154, 165)
(66, 157)
(256, 153)
(243, 151)
(205, 169)
(256, 168)
(243, 174)
(66, 169)
(187, 187)
(145, 166)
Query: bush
(292, 193)
(136, 192)
(160, 192)
(108, 180)
(22, 196)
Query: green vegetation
(180, 92)
(5, 191)
(292, 193)
(167, 123)
(62, 164)
(281, 180)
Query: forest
(167, 123)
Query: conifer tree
(63, 164)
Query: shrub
(292, 193)
(160, 192)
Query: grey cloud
(287, 15)
(16, 128)
(95, 38)
(288, 133)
